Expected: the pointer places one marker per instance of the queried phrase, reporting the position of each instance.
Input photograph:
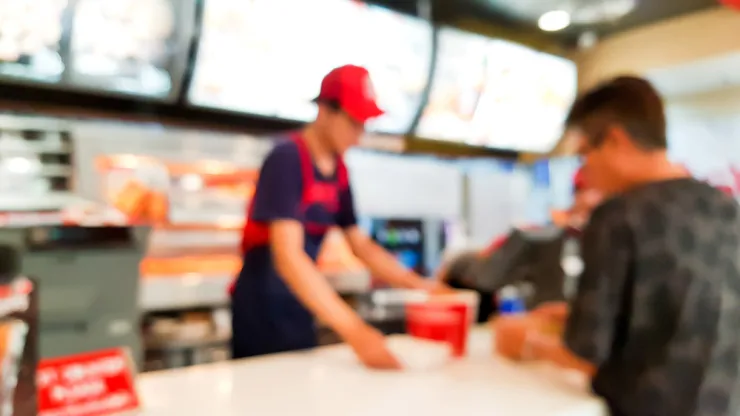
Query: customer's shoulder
(683, 203)
(613, 210)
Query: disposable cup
(440, 320)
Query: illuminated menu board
(30, 39)
(255, 58)
(132, 47)
(457, 86)
(526, 99)
(497, 94)
(397, 50)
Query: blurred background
(131, 132)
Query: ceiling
(522, 15)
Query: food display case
(36, 165)
(197, 212)
(31, 35)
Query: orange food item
(208, 265)
(131, 199)
(157, 208)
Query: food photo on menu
(457, 87)
(260, 79)
(30, 36)
(125, 46)
(399, 69)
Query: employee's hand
(370, 347)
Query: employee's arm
(305, 280)
(383, 264)
(380, 263)
(596, 311)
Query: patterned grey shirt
(658, 303)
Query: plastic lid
(509, 292)
(510, 301)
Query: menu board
(497, 94)
(457, 86)
(255, 58)
(397, 50)
(30, 38)
(132, 47)
(526, 99)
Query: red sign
(733, 4)
(99, 383)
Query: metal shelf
(191, 291)
(161, 293)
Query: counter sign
(99, 383)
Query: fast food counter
(319, 383)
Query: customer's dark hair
(630, 102)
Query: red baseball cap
(351, 88)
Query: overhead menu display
(526, 99)
(397, 50)
(132, 47)
(457, 86)
(507, 96)
(255, 58)
(30, 39)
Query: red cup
(440, 321)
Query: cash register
(530, 260)
(88, 279)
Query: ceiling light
(603, 11)
(555, 20)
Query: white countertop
(315, 384)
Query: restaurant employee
(303, 190)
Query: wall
(722, 102)
(672, 42)
(704, 135)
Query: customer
(303, 190)
(658, 303)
